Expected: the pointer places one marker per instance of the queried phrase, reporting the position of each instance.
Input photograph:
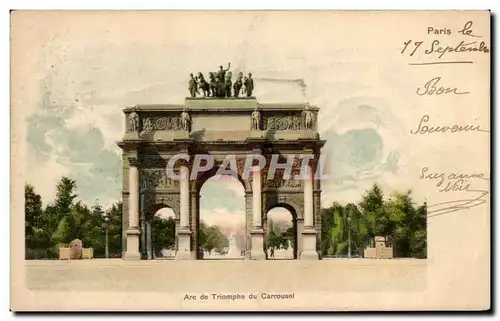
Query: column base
(131, 256)
(257, 251)
(309, 251)
(132, 252)
(184, 249)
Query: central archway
(221, 218)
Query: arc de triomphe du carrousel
(225, 130)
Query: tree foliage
(279, 239)
(212, 239)
(162, 234)
(397, 217)
(65, 220)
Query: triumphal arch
(218, 127)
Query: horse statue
(213, 83)
(203, 85)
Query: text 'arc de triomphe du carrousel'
(225, 122)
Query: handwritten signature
(458, 205)
(455, 182)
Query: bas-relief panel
(153, 179)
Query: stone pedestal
(309, 245)
(181, 135)
(184, 250)
(132, 136)
(308, 134)
(132, 252)
(257, 251)
(256, 134)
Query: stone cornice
(220, 105)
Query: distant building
(380, 251)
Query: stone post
(133, 231)
(193, 217)
(257, 233)
(298, 235)
(248, 224)
(184, 233)
(149, 248)
(144, 244)
(309, 251)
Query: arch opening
(159, 239)
(221, 225)
(281, 233)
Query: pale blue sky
(85, 80)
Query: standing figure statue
(256, 119)
(185, 120)
(238, 83)
(308, 118)
(193, 86)
(213, 84)
(221, 78)
(205, 86)
(133, 121)
(228, 84)
(249, 86)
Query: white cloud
(223, 217)
(45, 177)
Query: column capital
(133, 161)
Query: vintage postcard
(250, 160)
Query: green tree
(65, 196)
(418, 242)
(93, 230)
(374, 213)
(163, 234)
(75, 225)
(213, 239)
(114, 214)
(288, 237)
(326, 245)
(408, 226)
(397, 218)
(273, 239)
(35, 238)
(60, 223)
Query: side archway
(159, 237)
(281, 240)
